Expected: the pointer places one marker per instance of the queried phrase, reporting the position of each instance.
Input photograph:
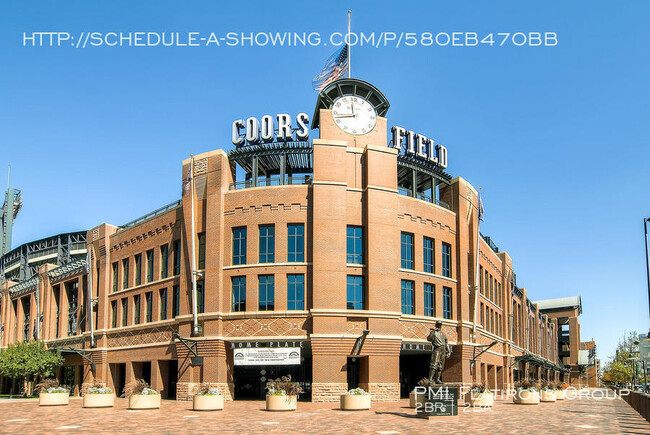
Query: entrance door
(172, 379)
(412, 368)
(118, 371)
(353, 368)
(250, 381)
(68, 377)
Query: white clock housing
(354, 115)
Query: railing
(421, 196)
(152, 214)
(275, 181)
(640, 402)
(490, 243)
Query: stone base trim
(382, 391)
(328, 391)
(185, 390)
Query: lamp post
(647, 261)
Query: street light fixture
(647, 262)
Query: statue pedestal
(437, 401)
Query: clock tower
(354, 111)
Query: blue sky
(556, 136)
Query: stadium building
(328, 259)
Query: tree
(28, 361)
(621, 368)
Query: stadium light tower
(10, 208)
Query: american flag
(336, 66)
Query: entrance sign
(263, 356)
(419, 146)
(266, 130)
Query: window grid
(266, 286)
(407, 250)
(138, 269)
(296, 243)
(239, 246)
(164, 261)
(429, 300)
(427, 254)
(407, 297)
(125, 273)
(149, 306)
(354, 245)
(446, 260)
(136, 309)
(295, 292)
(150, 265)
(267, 243)
(176, 301)
(163, 304)
(355, 293)
(239, 293)
(446, 302)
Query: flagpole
(478, 253)
(349, 46)
(89, 292)
(195, 324)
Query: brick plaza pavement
(585, 416)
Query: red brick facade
(354, 183)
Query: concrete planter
(526, 397)
(482, 400)
(207, 403)
(414, 398)
(559, 395)
(281, 403)
(355, 402)
(144, 401)
(99, 400)
(547, 396)
(53, 399)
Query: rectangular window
(176, 301)
(429, 300)
(136, 309)
(296, 243)
(200, 296)
(125, 312)
(446, 260)
(267, 243)
(164, 261)
(482, 314)
(239, 246)
(407, 251)
(148, 297)
(446, 302)
(355, 294)
(480, 280)
(113, 314)
(238, 293)
(266, 292)
(138, 269)
(201, 261)
(407, 297)
(295, 292)
(125, 273)
(491, 297)
(354, 245)
(115, 276)
(427, 254)
(150, 265)
(163, 304)
(176, 251)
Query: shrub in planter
(527, 392)
(207, 399)
(99, 396)
(559, 391)
(480, 396)
(282, 394)
(50, 393)
(547, 392)
(355, 400)
(141, 396)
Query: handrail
(152, 214)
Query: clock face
(354, 115)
